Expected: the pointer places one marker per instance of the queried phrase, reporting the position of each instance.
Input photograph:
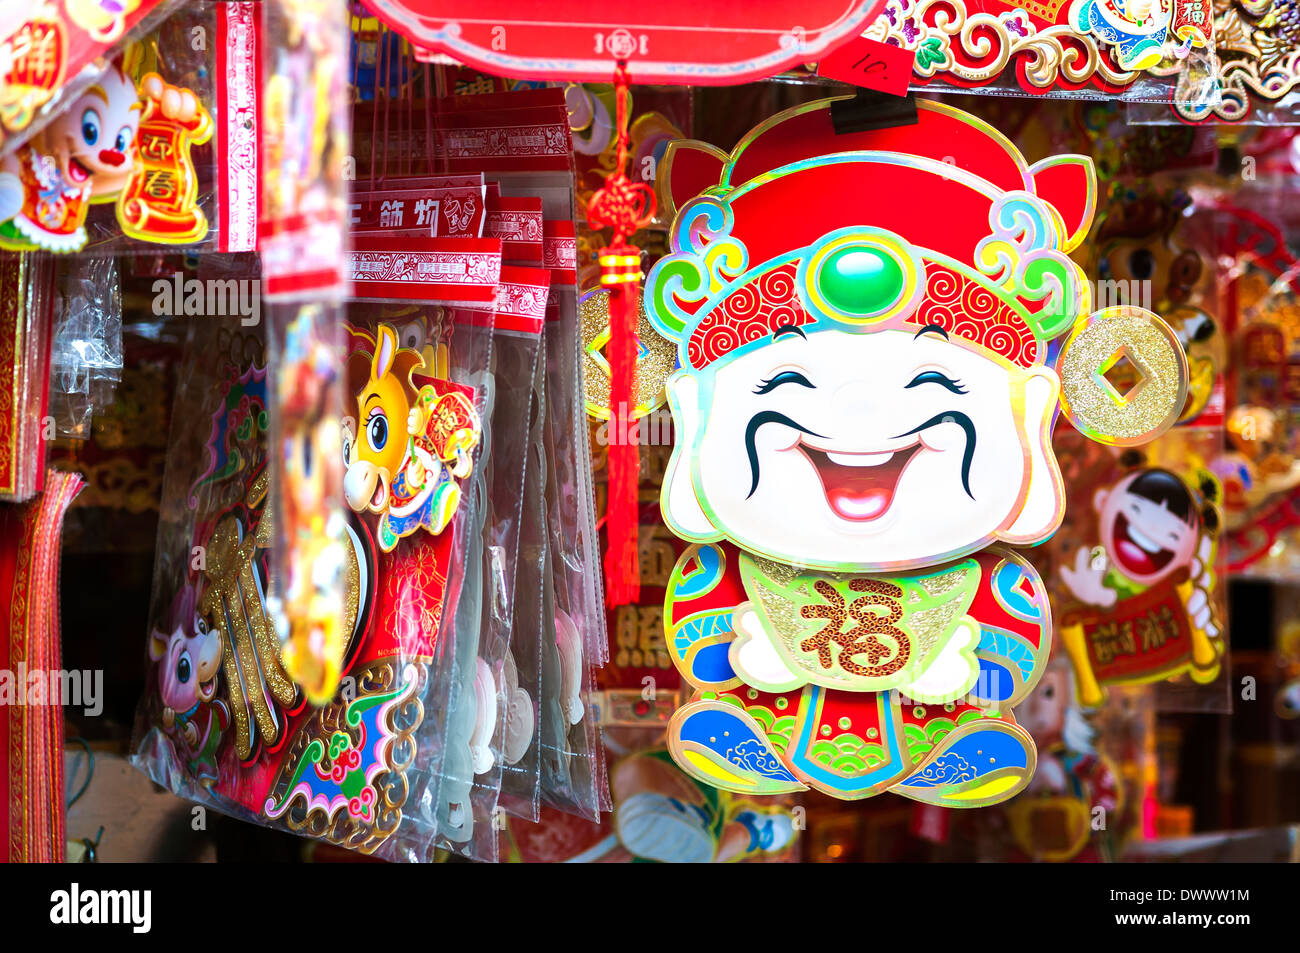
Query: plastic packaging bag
(86, 353)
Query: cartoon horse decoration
(411, 479)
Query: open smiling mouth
(208, 689)
(76, 171)
(1137, 551)
(859, 486)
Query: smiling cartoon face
(92, 142)
(188, 664)
(844, 449)
(1149, 526)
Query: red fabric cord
(623, 206)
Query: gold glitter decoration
(351, 598)
(862, 639)
(1092, 404)
(929, 625)
(783, 615)
(844, 629)
(942, 583)
(656, 363)
(232, 604)
(781, 574)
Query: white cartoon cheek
(776, 438)
(679, 502)
(944, 437)
(1044, 504)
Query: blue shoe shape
(720, 745)
(977, 764)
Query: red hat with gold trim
(942, 222)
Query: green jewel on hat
(861, 275)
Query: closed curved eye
(785, 377)
(936, 377)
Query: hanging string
(623, 206)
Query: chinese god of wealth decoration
(864, 406)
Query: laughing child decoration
(1145, 595)
(864, 405)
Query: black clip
(871, 109)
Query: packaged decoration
(154, 152)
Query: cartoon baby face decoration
(1149, 525)
(95, 139)
(864, 386)
(107, 144)
(1145, 603)
(85, 154)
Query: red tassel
(623, 206)
(622, 571)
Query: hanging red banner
(706, 42)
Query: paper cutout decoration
(160, 201)
(1048, 45)
(862, 323)
(1147, 591)
(189, 659)
(1075, 781)
(1260, 467)
(1257, 63)
(107, 144)
(410, 449)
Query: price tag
(871, 64)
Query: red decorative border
(517, 221)
(560, 251)
(449, 270)
(701, 42)
(239, 84)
